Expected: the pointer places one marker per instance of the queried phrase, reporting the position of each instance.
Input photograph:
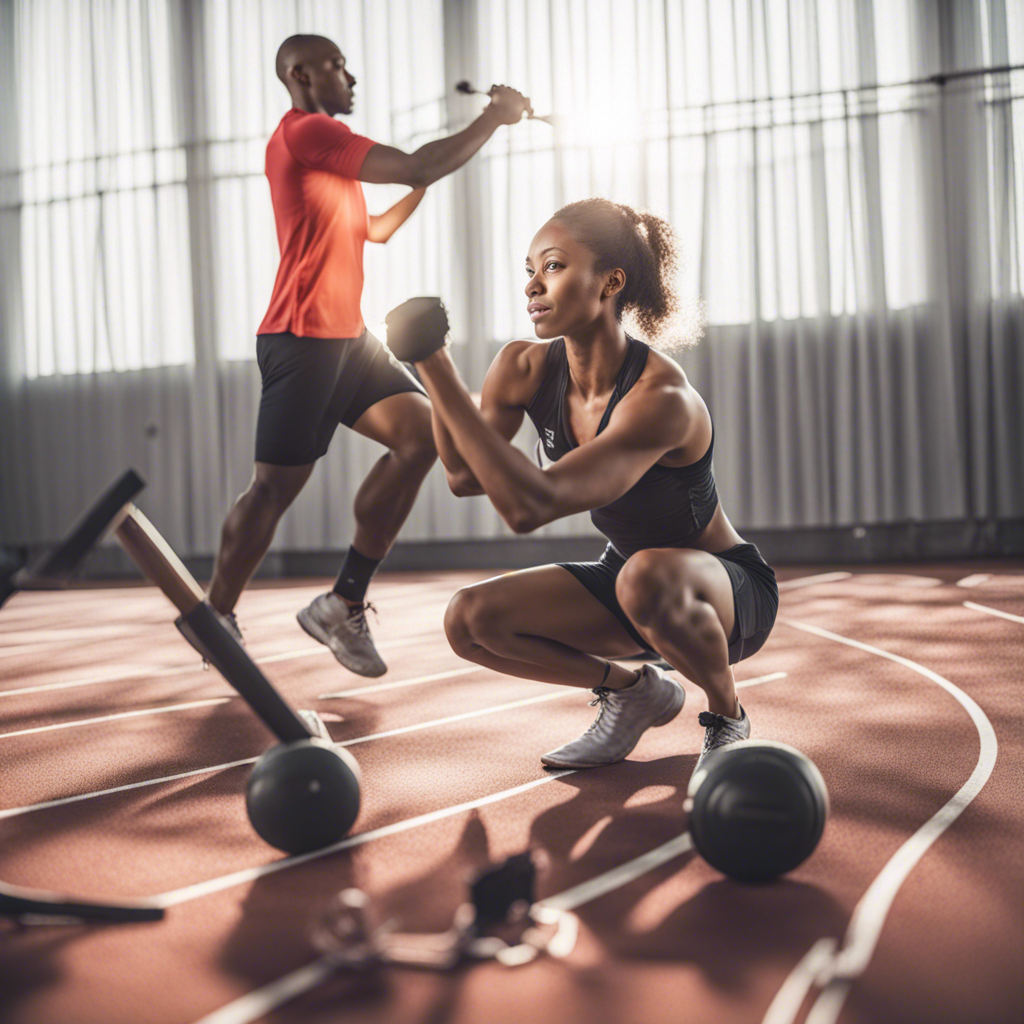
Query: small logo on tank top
(549, 437)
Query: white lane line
(103, 676)
(121, 714)
(800, 981)
(15, 811)
(810, 581)
(307, 652)
(451, 673)
(262, 1001)
(993, 611)
(619, 876)
(194, 892)
(462, 717)
(868, 918)
(770, 678)
(382, 687)
(974, 580)
(148, 675)
(258, 1003)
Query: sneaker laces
(600, 702)
(357, 615)
(711, 721)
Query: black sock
(355, 576)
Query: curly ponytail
(645, 247)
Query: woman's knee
(669, 597)
(647, 588)
(470, 619)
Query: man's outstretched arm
(387, 165)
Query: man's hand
(508, 105)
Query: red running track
(900, 683)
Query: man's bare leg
(385, 499)
(402, 423)
(249, 529)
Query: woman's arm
(507, 389)
(647, 423)
(382, 227)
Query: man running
(319, 365)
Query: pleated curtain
(848, 202)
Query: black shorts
(310, 385)
(755, 594)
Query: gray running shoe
(622, 718)
(719, 730)
(344, 630)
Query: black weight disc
(757, 809)
(303, 796)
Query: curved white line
(993, 611)
(260, 1002)
(868, 919)
(793, 992)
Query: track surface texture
(903, 684)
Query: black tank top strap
(546, 406)
(633, 366)
(547, 398)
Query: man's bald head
(313, 71)
(301, 49)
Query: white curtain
(855, 240)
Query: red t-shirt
(312, 164)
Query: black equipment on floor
(757, 809)
(306, 762)
(499, 921)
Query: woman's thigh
(546, 601)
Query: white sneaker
(719, 731)
(622, 718)
(343, 629)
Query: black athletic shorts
(755, 594)
(310, 385)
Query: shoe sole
(678, 699)
(312, 628)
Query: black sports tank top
(668, 506)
